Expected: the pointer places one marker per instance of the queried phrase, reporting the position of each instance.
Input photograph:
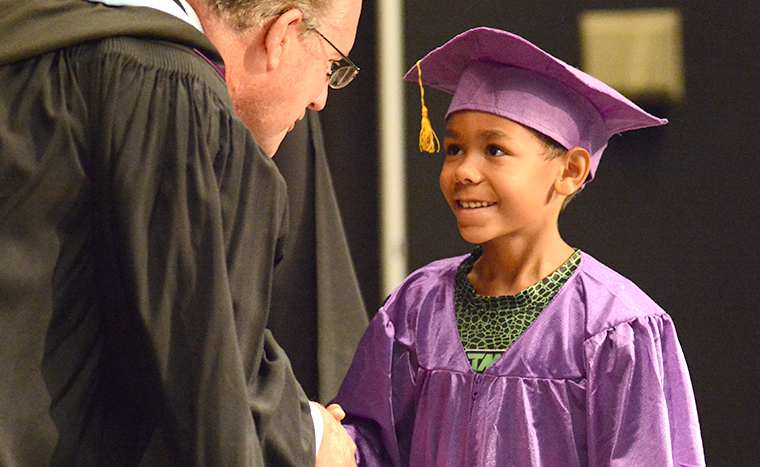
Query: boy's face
(497, 180)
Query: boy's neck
(508, 268)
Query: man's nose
(319, 103)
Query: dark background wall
(677, 209)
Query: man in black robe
(140, 222)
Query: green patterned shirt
(488, 326)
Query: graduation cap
(494, 71)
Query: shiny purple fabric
(598, 379)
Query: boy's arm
(641, 408)
(370, 394)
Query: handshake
(336, 447)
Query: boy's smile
(474, 204)
(496, 178)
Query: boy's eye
(452, 150)
(494, 151)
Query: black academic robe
(139, 227)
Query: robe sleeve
(378, 395)
(189, 215)
(640, 404)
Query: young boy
(526, 352)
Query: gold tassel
(428, 139)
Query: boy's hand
(337, 448)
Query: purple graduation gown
(598, 379)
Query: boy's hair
(553, 150)
(244, 14)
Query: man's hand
(336, 411)
(337, 448)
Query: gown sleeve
(640, 404)
(378, 394)
(189, 214)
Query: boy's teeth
(473, 204)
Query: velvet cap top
(501, 73)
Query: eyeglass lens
(341, 76)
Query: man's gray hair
(243, 14)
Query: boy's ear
(280, 35)
(575, 171)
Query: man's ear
(575, 171)
(280, 35)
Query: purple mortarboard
(498, 72)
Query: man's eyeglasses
(340, 75)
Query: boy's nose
(468, 171)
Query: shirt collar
(185, 12)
